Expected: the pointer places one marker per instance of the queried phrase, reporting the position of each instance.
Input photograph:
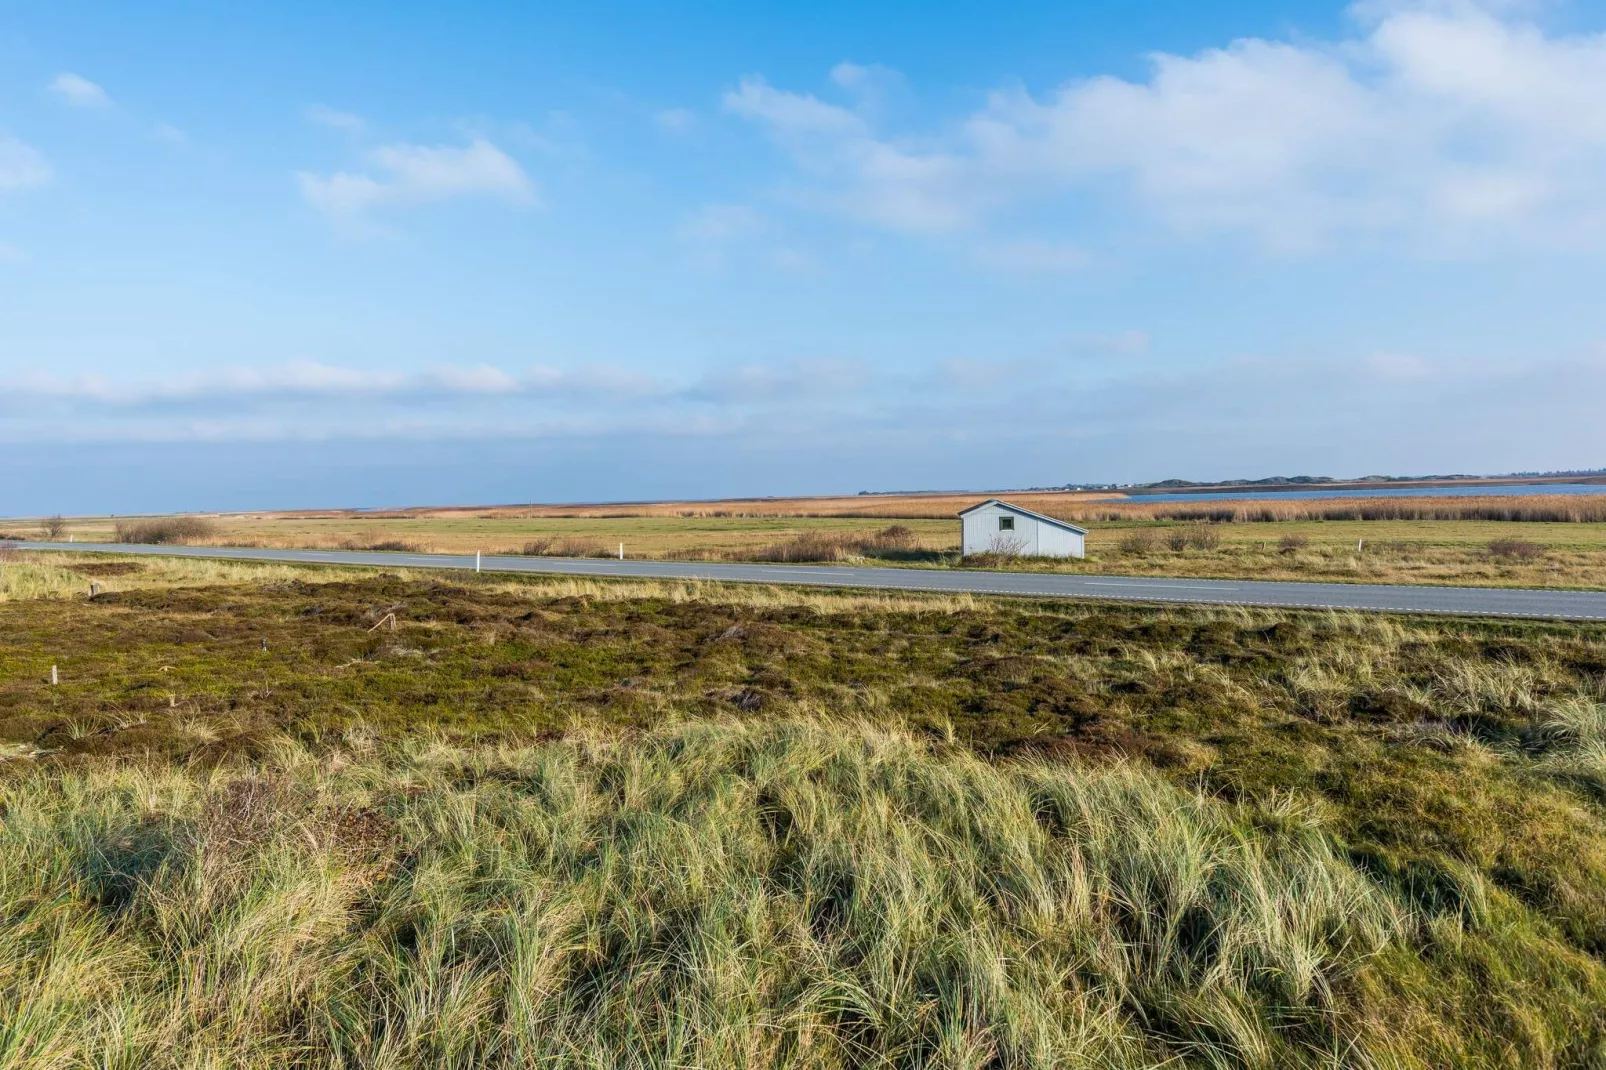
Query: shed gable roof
(1068, 526)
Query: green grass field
(577, 823)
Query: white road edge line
(1155, 586)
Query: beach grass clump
(782, 894)
(288, 815)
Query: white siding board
(980, 533)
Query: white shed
(996, 527)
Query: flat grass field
(590, 823)
(1414, 551)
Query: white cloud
(22, 167)
(305, 380)
(791, 114)
(417, 174)
(855, 76)
(323, 115)
(864, 176)
(78, 91)
(1344, 413)
(875, 89)
(1449, 124)
(314, 399)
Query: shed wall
(980, 534)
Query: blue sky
(294, 254)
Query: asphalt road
(1376, 598)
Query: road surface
(1369, 597)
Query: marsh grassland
(1538, 541)
(573, 823)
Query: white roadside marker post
(476, 560)
(54, 679)
(621, 551)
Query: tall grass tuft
(788, 894)
(1515, 550)
(166, 529)
(375, 542)
(571, 547)
(811, 546)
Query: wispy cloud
(786, 381)
(22, 166)
(791, 115)
(404, 174)
(321, 399)
(717, 224)
(945, 423)
(310, 380)
(1128, 343)
(322, 115)
(1032, 256)
(675, 121)
(716, 234)
(79, 91)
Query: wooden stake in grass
(54, 677)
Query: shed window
(1006, 523)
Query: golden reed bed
(1074, 506)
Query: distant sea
(1491, 490)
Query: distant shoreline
(1390, 484)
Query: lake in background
(1491, 490)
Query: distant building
(996, 527)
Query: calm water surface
(1514, 489)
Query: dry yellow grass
(1569, 553)
(461, 533)
(34, 576)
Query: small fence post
(621, 551)
(476, 560)
(54, 678)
